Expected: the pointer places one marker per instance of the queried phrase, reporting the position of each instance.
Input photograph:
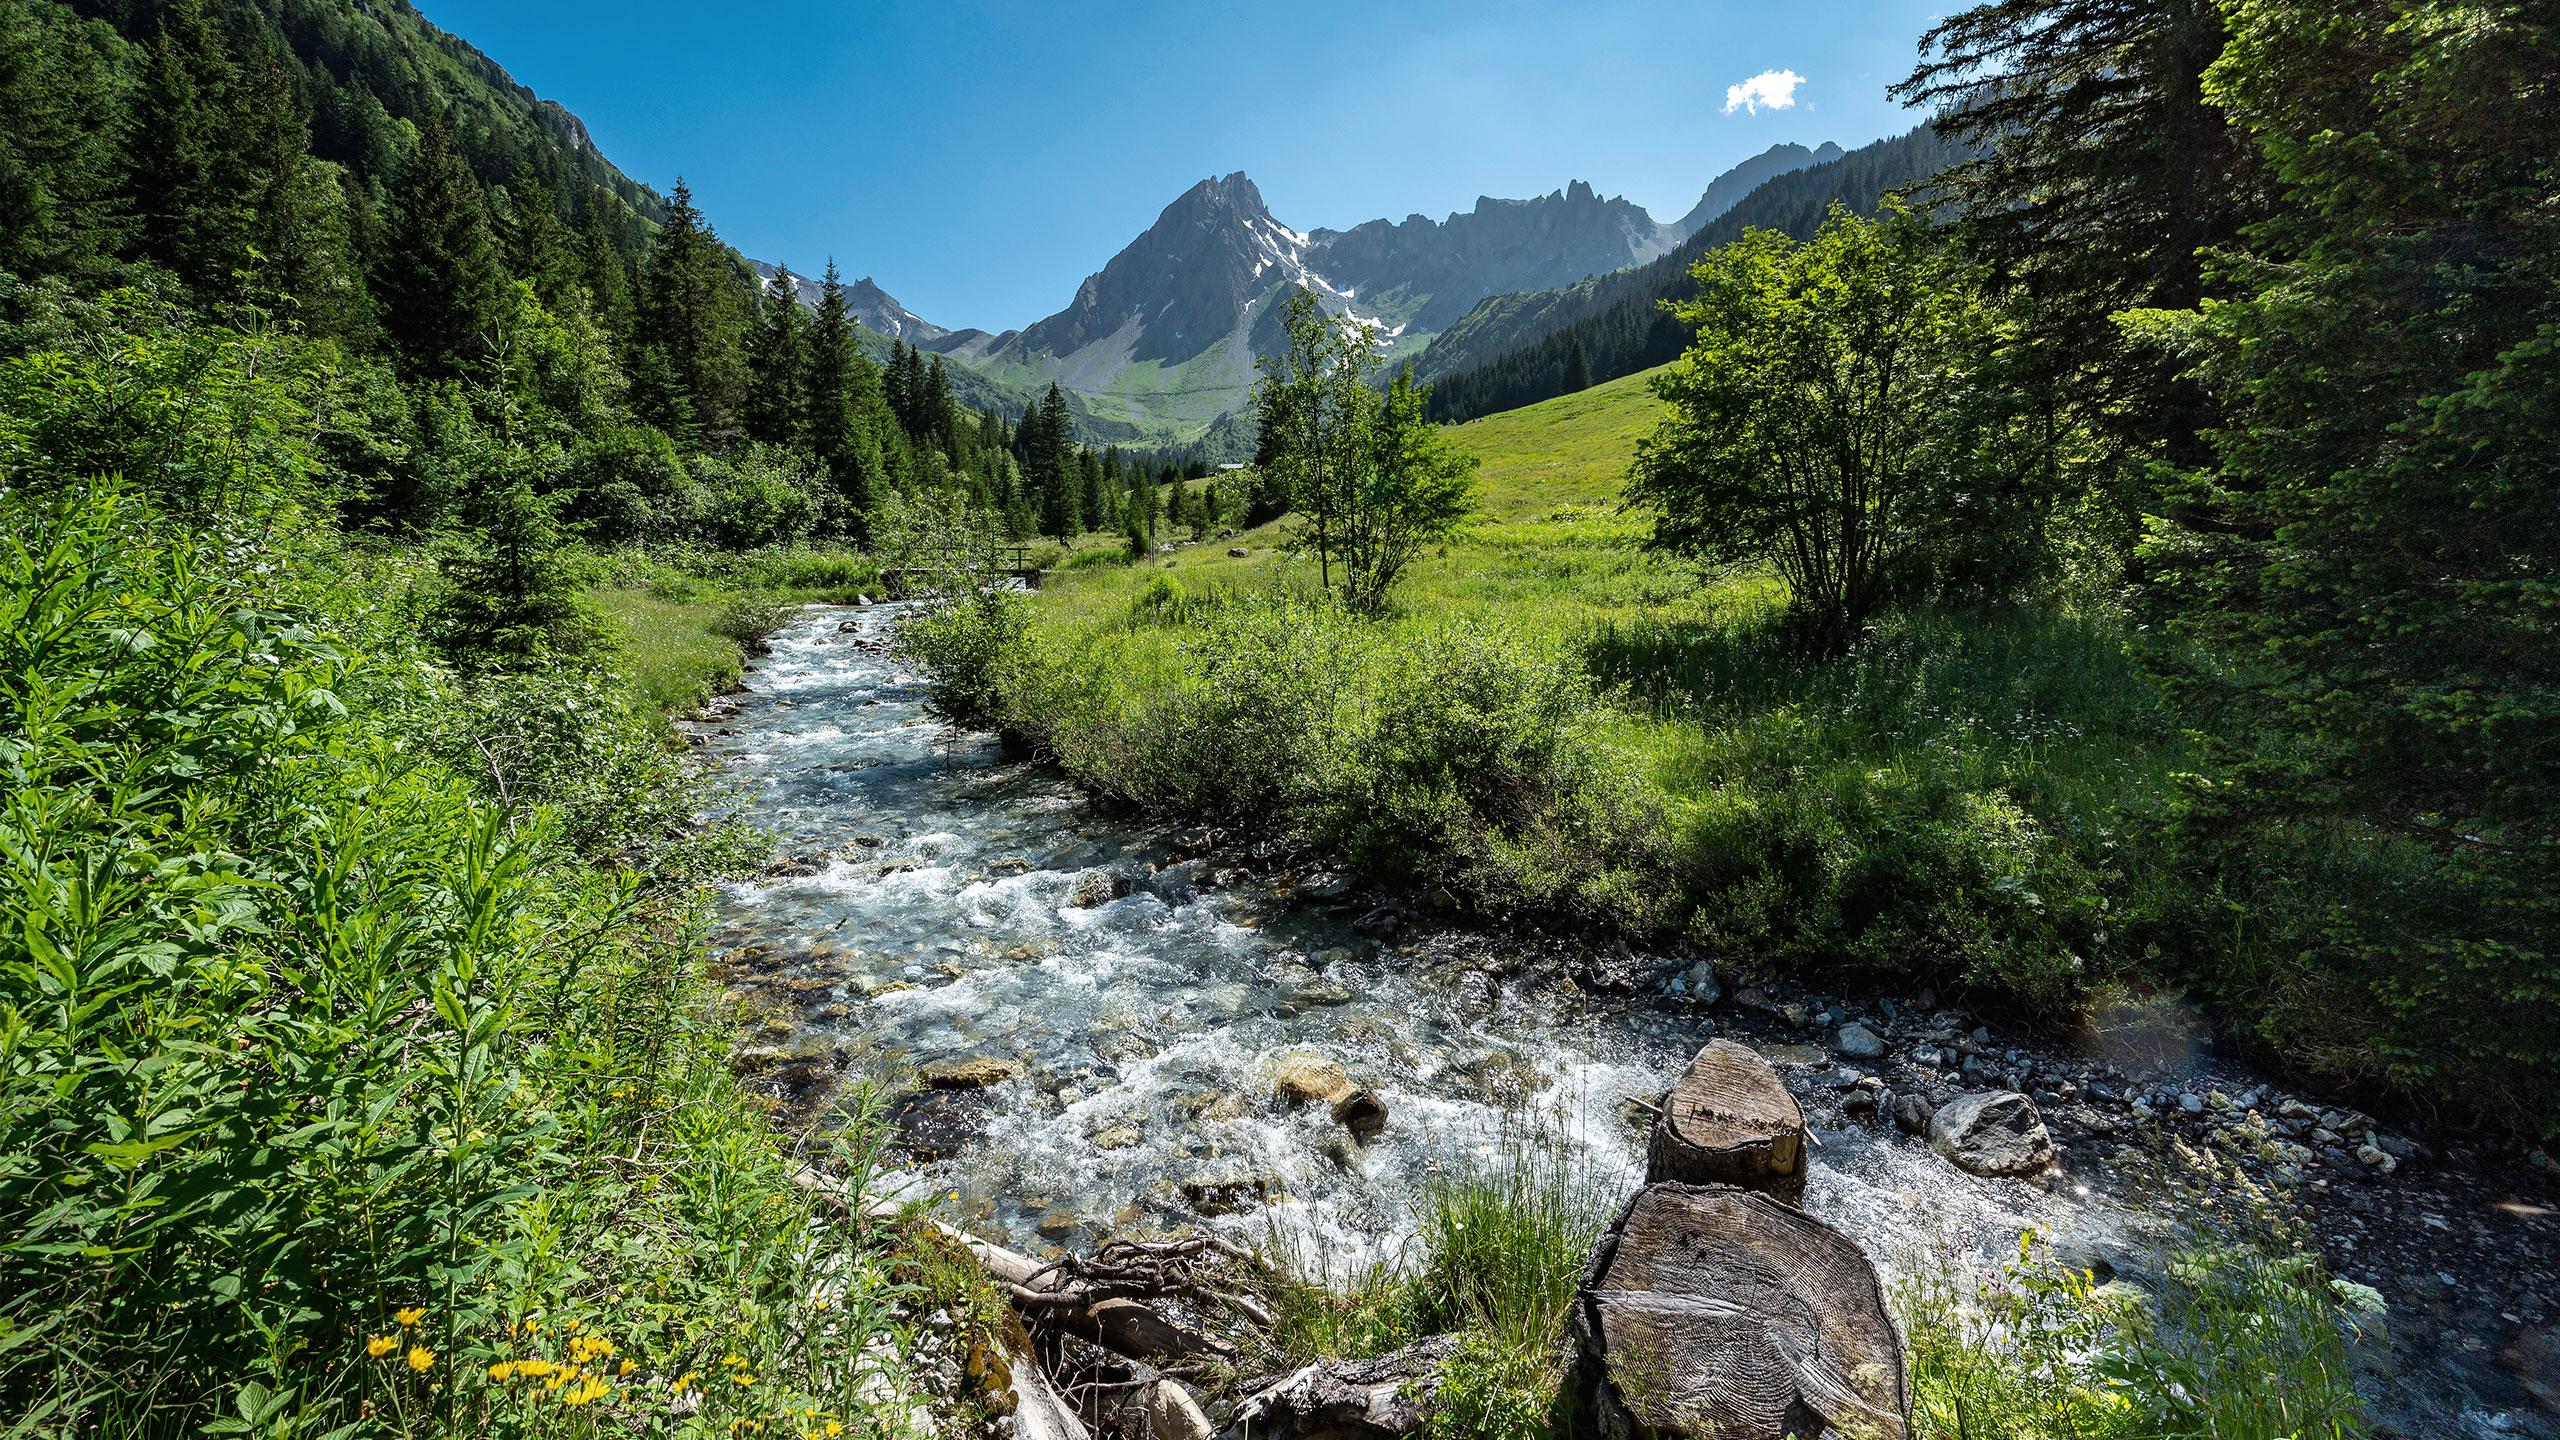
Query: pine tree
(1050, 467)
(776, 404)
(841, 389)
(59, 112)
(437, 277)
(1577, 370)
(187, 221)
(690, 312)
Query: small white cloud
(1773, 89)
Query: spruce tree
(690, 312)
(1050, 467)
(540, 247)
(59, 109)
(2099, 176)
(776, 404)
(841, 389)
(941, 411)
(607, 276)
(437, 276)
(186, 220)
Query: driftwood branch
(1103, 1298)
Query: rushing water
(942, 923)
(948, 912)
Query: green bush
(330, 1076)
(962, 641)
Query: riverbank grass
(1552, 719)
(677, 623)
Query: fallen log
(1729, 1121)
(1711, 1311)
(1039, 1411)
(1387, 1398)
(1103, 1300)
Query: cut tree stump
(1730, 1121)
(1710, 1311)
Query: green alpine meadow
(1921, 804)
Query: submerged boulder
(1992, 1132)
(973, 1072)
(1305, 1078)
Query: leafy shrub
(961, 642)
(332, 1084)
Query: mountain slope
(1163, 337)
(1514, 350)
(1738, 182)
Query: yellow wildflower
(683, 1383)
(410, 1316)
(591, 1390)
(743, 1378)
(626, 1367)
(534, 1369)
(420, 1358)
(733, 1362)
(502, 1371)
(380, 1345)
(834, 1428)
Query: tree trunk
(1730, 1121)
(1709, 1311)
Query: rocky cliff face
(1750, 175)
(1438, 270)
(1166, 333)
(876, 309)
(1190, 281)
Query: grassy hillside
(1548, 527)
(1557, 720)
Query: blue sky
(980, 157)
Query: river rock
(1912, 1113)
(1710, 1311)
(974, 1072)
(1992, 1132)
(1730, 1121)
(1697, 984)
(1858, 1042)
(2535, 1359)
(1096, 887)
(1225, 1194)
(1386, 1398)
(1304, 1078)
(936, 1124)
(1177, 884)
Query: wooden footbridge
(967, 565)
